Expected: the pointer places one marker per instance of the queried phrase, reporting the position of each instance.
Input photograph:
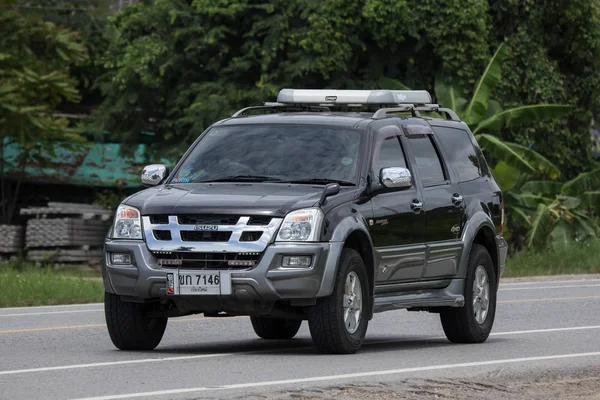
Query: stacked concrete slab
(66, 232)
(11, 239)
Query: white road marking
(546, 282)
(111, 363)
(547, 287)
(343, 376)
(50, 312)
(58, 306)
(216, 355)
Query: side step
(450, 296)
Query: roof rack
(414, 109)
(287, 107)
(411, 101)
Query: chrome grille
(205, 236)
(196, 233)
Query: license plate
(198, 283)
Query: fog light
(120, 258)
(296, 261)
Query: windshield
(273, 153)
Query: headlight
(128, 224)
(301, 225)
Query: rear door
(443, 203)
(397, 228)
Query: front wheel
(275, 328)
(337, 323)
(473, 322)
(131, 325)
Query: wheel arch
(481, 230)
(351, 233)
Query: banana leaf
(533, 200)
(522, 115)
(586, 181)
(543, 187)
(541, 227)
(520, 215)
(506, 176)
(568, 202)
(562, 235)
(540, 163)
(478, 105)
(591, 200)
(504, 152)
(449, 96)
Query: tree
(35, 57)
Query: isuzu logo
(206, 228)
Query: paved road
(64, 352)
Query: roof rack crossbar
(450, 115)
(383, 112)
(272, 106)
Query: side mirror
(330, 190)
(395, 177)
(154, 174)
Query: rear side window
(390, 155)
(460, 152)
(428, 161)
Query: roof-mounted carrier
(393, 101)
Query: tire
(275, 328)
(326, 319)
(129, 325)
(461, 325)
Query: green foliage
(176, 66)
(35, 57)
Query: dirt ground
(578, 384)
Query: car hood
(225, 198)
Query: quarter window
(428, 161)
(460, 152)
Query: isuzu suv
(326, 206)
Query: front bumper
(267, 281)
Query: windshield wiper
(322, 181)
(245, 178)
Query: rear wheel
(337, 323)
(473, 322)
(131, 326)
(275, 328)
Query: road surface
(545, 344)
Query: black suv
(297, 211)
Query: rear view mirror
(154, 174)
(395, 177)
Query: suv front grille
(159, 219)
(160, 234)
(208, 219)
(205, 236)
(260, 220)
(212, 260)
(250, 236)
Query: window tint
(461, 153)
(428, 162)
(390, 155)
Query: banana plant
(548, 211)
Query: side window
(462, 156)
(428, 161)
(390, 155)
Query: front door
(397, 227)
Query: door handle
(456, 199)
(416, 206)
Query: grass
(34, 286)
(582, 258)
